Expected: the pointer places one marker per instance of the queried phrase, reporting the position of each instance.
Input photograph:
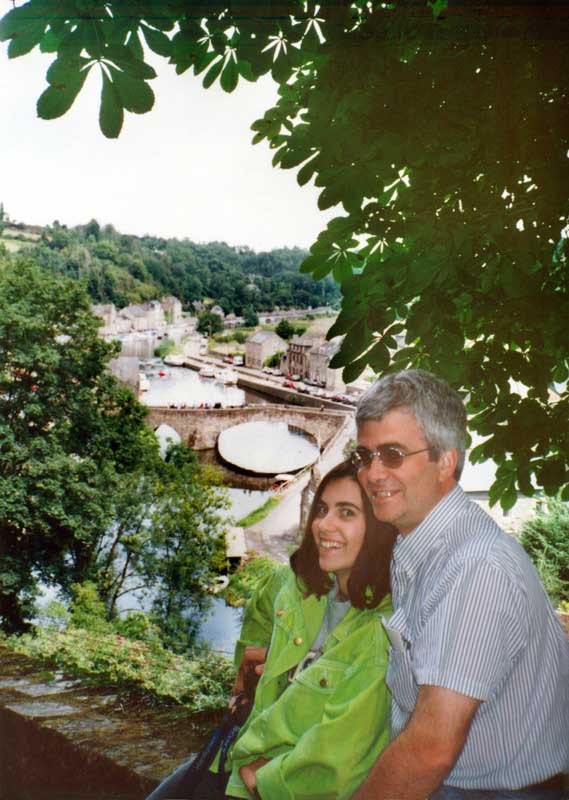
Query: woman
(321, 711)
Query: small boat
(206, 372)
(227, 376)
(174, 360)
(143, 382)
(162, 374)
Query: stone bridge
(200, 427)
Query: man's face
(403, 495)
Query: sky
(187, 169)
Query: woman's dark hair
(369, 579)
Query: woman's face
(339, 528)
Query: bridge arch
(200, 427)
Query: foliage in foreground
(245, 580)
(546, 538)
(201, 683)
(442, 136)
(84, 494)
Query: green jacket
(325, 731)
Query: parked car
(227, 359)
(303, 388)
(289, 384)
(238, 361)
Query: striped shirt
(471, 615)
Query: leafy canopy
(443, 139)
(84, 495)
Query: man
(479, 664)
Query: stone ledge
(65, 740)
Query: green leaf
(354, 370)
(111, 113)
(508, 498)
(229, 76)
(378, 357)
(123, 57)
(65, 72)
(212, 73)
(437, 7)
(57, 100)
(51, 41)
(135, 95)
(306, 172)
(203, 60)
(246, 70)
(134, 44)
(157, 41)
(26, 39)
(93, 38)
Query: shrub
(201, 683)
(546, 539)
(245, 580)
(165, 347)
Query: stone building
(262, 345)
(172, 309)
(298, 354)
(319, 370)
(108, 313)
(144, 316)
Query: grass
(259, 513)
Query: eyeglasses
(387, 454)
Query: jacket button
(280, 612)
(323, 683)
(297, 640)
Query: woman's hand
(248, 775)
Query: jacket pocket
(322, 676)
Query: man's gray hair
(437, 407)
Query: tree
(68, 432)
(440, 132)
(84, 495)
(250, 318)
(209, 323)
(285, 330)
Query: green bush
(245, 580)
(165, 348)
(201, 683)
(546, 539)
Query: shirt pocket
(400, 677)
(322, 676)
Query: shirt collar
(410, 551)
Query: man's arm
(419, 759)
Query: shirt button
(297, 640)
(280, 612)
(323, 683)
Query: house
(260, 346)
(144, 316)
(297, 358)
(108, 313)
(319, 370)
(172, 309)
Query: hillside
(121, 269)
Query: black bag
(193, 779)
